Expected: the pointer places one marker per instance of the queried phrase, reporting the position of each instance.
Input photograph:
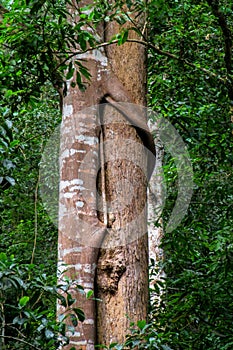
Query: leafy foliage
(27, 307)
(190, 83)
(21, 209)
(36, 39)
(8, 144)
(196, 310)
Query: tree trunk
(117, 222)
(122, 278)
(80, 232)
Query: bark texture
(121, 281)
(80, 231)
(122, 278)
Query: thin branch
(136, 26)
(37, 300)
(155, 49)
(226, 34)
(177, 58)
(9, 325)
(20, 340)
(144, 29)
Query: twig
(20, 340)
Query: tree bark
(121, 281)
(80, 231)
(122, 277)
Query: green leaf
(80, 314)
(82, 43)
(62, 300)
(84, 72)
(89, 294)
(70, 300)
(79, 82)
(19, 320)
(141, 324)
(124, 37)
(3, 257)
(78, 78)
(23, 301)
(70, 73)
(14, 143)
(10, 180)
(49, 334)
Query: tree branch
(20, 340)
(157, 50)
(227, 40)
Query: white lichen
(67, 110)
(88, 140)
